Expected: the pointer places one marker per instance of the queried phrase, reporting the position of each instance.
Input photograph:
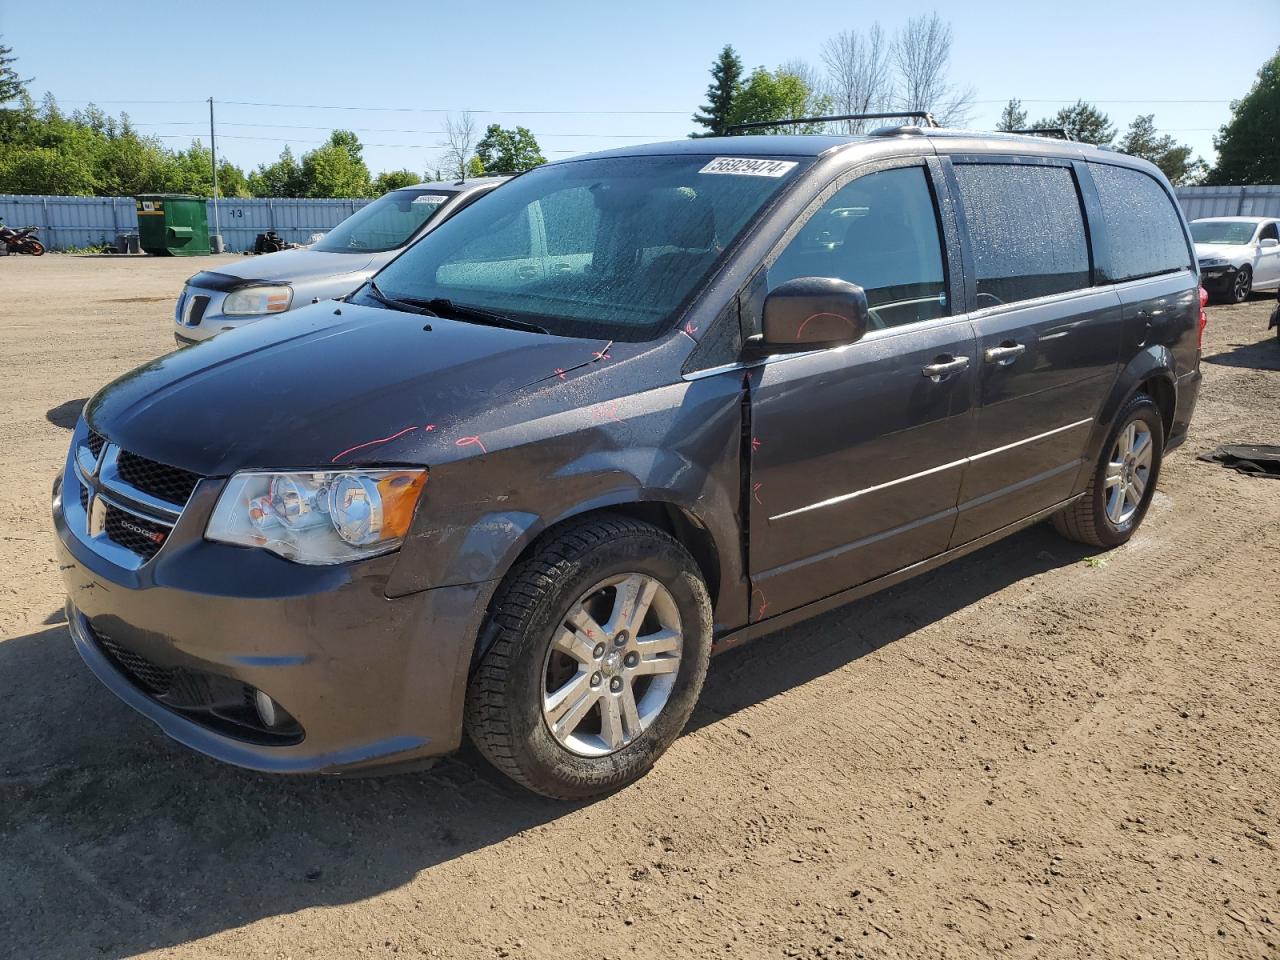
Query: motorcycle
(21, 241)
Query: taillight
(1204, 319)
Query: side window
(1026, 230)
(1269, 232)
(880, 232)
(510, 240)
(1144, 233)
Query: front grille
(134, 532)
(172, 484)
(84, 497)
(154, 679)
(95, 442)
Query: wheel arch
(1151, 372)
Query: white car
(1237, 255)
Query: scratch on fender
(755, 493)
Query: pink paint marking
(560, 373)
(764, 604)
(429, 427)
(755, 444)
(755, 493)
(370, 443)
(607, 411)
(601, 354)
(690, 329)
(469, 442)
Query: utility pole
(213, 155)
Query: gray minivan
(525, 491)
(241, 293)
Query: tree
(335, 169)
(1174, 159)
(394, 180)
(1013, 117)
(921, 55)
(726, 83)
(459, 138)
(859, 73)
(475, 167)
(777, 95)
(508, 151)
(12, 87)
(280, 179)
(1084, 122)
(1248, 144)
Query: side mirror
(1268, 243)
(810, 313)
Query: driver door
(857, 450)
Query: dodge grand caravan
(525, 489)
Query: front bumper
(370, 681)
(1218, 278)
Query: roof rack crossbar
(924, 115)
(1059, 132)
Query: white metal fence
(1259, 201)
(85, 221)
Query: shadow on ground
(66, 414)
(1263, 355)
(114, 841)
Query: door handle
(944, 366)
(526, 273)
(1005, 354)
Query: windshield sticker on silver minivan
(748, 166)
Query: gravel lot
(1032, 752)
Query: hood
(1227, 251)
(319, 385)
(296, 265)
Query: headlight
(254, 301)
(1214, 262)
(318, 517)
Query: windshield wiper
(442, 306)
(408, 306)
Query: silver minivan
(237, 294)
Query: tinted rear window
(1026, 229)
(1144, 233)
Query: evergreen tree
(726, 84)
(1013, 117)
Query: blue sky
(586, 76)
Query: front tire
(1242, 285)
(601, 640)
(1123, 480)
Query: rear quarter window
(1026, 230)
(1143, 235)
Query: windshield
(1222, 231)
(609, 248)
(385, 224)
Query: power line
(429, 133)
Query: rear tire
(1123, 480)
(32, 247)
(576, 697)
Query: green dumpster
(173, 225)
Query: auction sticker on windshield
(748, 166)
(430, 198)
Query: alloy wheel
(1243, 285)
(611, 664)
(1128, 472)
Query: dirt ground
(1032, 752)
